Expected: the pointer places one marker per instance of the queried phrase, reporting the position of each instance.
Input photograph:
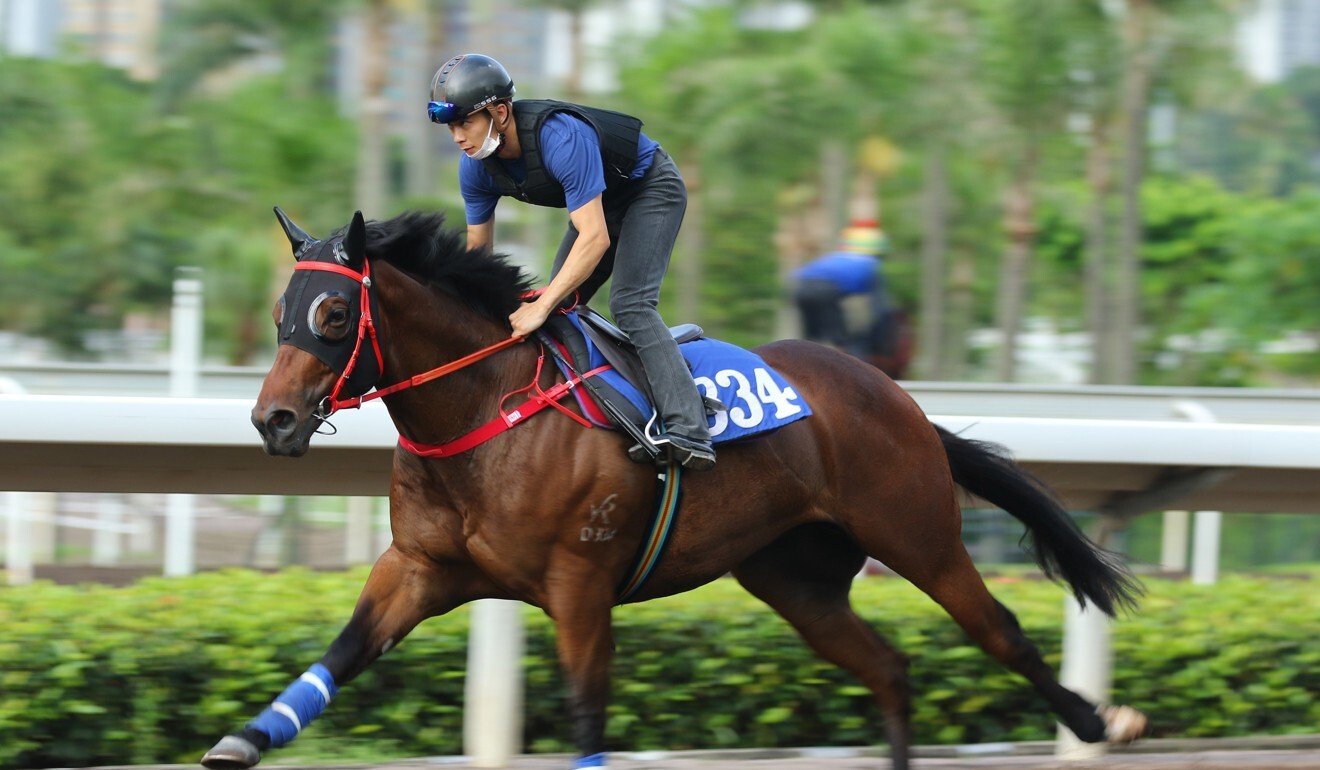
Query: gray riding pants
(643, 218)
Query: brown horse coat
(792, 515)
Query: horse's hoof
(1123, 724)
(232, 753)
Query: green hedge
(158, 671)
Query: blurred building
(511, 31)
(119, 33)
(535, 44)
(417, 42)
(1276, 37)
(29, 27)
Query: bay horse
(792, 515)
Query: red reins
(538, 400)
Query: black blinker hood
(296, 328)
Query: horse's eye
(279, 312)
(332, 328)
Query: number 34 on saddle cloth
(757, 398)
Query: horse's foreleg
(401, 592)
(585, 640)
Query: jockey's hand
(528, 318)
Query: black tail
(1060, 548)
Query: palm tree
(370, 193)
(1026, 72)
(1160, 38)
(203, 37)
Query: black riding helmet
(465, 84)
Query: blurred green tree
(1025, 68)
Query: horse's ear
(355, 242)
(298, 239)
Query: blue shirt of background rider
(851, 272)
(571, 152)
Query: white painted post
(1205, 548)
(358, 537)
(180, 548)
(143, 537)
(384, 535)
(39, 508)
(18, 525)
(18, 539)
(1087, 670)
(186, 333)
(1173, 549)
(185, 365)
(493, 717)
(106, 537)
(1205, 535)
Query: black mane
(419, 243)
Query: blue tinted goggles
(444, 112)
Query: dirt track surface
(1272, 760)
(1205, 760)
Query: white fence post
(493, 692)
(185, 365)
(384, 535)
(1205, 548)
(1173, 548)
(1087, 670)
(18, 524)
(107, 537)
(359, 540)
(142, 539)
(1205, 535)
(18, 539)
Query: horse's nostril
(281, 421)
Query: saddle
(760, 399)
(585, 338)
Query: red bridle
(538, 400)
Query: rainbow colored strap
(662, 523)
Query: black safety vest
(618, 133)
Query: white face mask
(489, 145)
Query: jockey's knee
(630, 314)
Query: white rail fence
(1265, 457)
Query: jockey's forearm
(581, 261)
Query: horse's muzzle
(280, 431)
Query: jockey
(625, 202)
(854, 268)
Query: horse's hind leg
(805, 576)
(401, 592)
(943, 569)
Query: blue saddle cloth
(758, 398)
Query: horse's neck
(424, 329)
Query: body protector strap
(619, 136)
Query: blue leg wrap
(297, 706)
(595, 760)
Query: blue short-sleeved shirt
(571, 152)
